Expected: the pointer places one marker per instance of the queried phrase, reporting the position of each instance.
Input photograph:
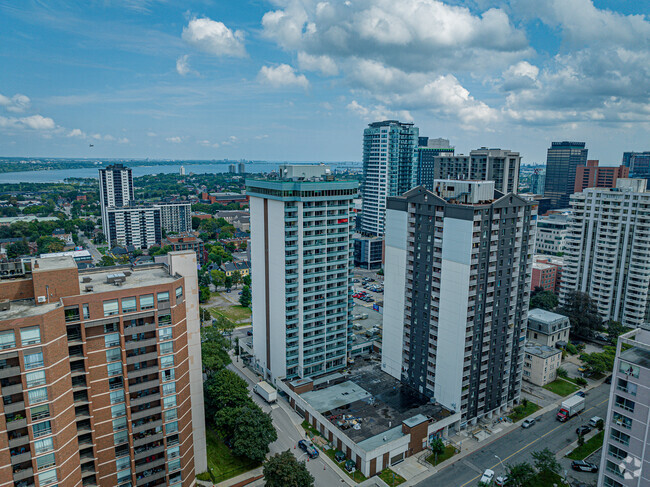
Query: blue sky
(300, 79)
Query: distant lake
(59, 175)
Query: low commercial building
(224, 198)
(187, 241)
(547, 328)
(541, 363)
(544, 276)
(374, 419)
(557, 263)
(79, 256)
(5, 221)
(368, 252)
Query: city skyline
(270, 80)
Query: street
(289, 435)
(88, 245)
(517, 446)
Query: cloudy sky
(299, 79)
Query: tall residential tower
(562, 159)
(389, 169)
(301, 253)
(457, 283)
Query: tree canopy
(214, 350)
(544, 300)
(582, 313)
(246, 298)
(284, 470)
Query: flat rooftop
(144, 275)
(25, 308)
(378, 402)
(638, 356)
(542, 351)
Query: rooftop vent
(5, 305)
(116, 279)
(86, 279)
(89, 289)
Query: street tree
(223, 392)
(246, 297)
(214, 350)
(253, 432)
(284, 470)
(236, 278)
(582, 313)
(520, 474)
(545, 462)
(246, 280)
(106, 261)
(18, 249)
(228, 282)
(218, 277)
(545, 300)
(600, 362)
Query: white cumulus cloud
(38, 122)
(322, 64)
(17, 103)
(214, 37)
(282, 76)
(77, 133)
(182, 65)
(174, 140)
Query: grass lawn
(312, 430)
(561, 387)
(590, 446)
(391, 478)
(356, 475)
(450, 451)
(521, 411)
(235, 313)
(221, 461)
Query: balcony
(144, 328)
(14, 407)
(16, 423)
(151, 424)
(147, 439)
(145, 399)
(151, 369)
(148, 342)
(20, 455)
(10, 371)
(146, 451)
(141, 358)
(22, 473)
(150, 476)
(149, 465)
(144, 385)
(145, 413)
(10, 389)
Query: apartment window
(7, 339)
(112, 340)
(171, 428)
(44, 445)
(119, 410)
(173, 452)
(115, 383)
(619, 436)
(128, 305)
(114, 369)
(36, 396)
(119, 424)
(47, 478)
(626, 386)
(111, 327)
(163, 297)
(165, 334)
(71, 313)
(117, 396)
(174, 465)
(169, 402)
(120, 438)
(616, 452)
(124, 475)
(179, 292)
(86, 311)
(626, 404)
(41, 429)
(166, 361)
(164, 320)
(614, 468)
(122, 463)
(40, 412)
(45, 461)
(111, 308)
(167, 375)
(167, 347)
(171, 414)
(33, 359)
(113, 355)
(169, 388)
(611, 482)
(173, 478)
(30, 336)
(34, 379)
(146, 301)
(629, 369)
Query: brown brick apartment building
(100, 375)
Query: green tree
(600, 424)
(437, 446)
(253, 433)
(582, 313)
(544, 300)
(227, 282)
(224, 324)
(214, 350)
(616, 329)
(600, 362)
(48, 244)
(245, 298)
(246, 280)
(284, 470)
(18, 249)
(545, 462)
(218, 277)
(236, 278)
(561, 372)
(224, 390)
(520, 474)
(204, 294)
(196, 222)
(106, 261)
(205, 314)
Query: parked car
(487, 477)
(350, 465)
(249, 333)
(581, 393)
(228, 290)
(528, 423)
(308, 448)
(593, 422)
(501, 480)
(608, 380)
(582, 466)
(339, 456)
(583, 430)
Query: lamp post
(500, 461)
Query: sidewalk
(469, 445)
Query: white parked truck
(266, 390)
(571, 407)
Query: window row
(129, 304)
(28, 336)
